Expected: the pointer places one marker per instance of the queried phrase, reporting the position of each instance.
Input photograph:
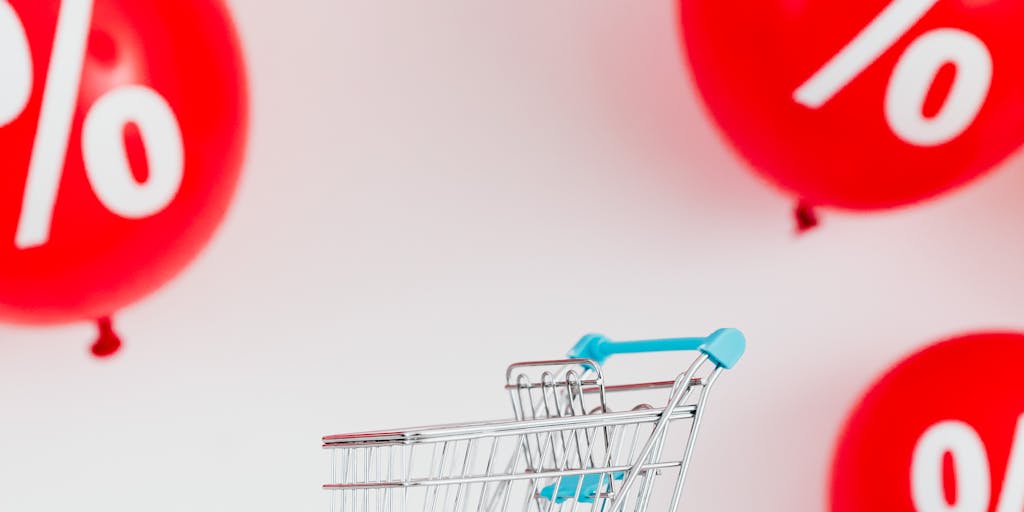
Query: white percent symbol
(913, 76)
(971, 470)
(103, 148)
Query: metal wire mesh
(564, 451)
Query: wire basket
(565, 450)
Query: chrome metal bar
(464, 431)
(659, 429)
(500, 478)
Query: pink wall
(436, 189)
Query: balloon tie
(108, 342)
(806, 217)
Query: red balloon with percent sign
(122, 128)
(943, 431)
(862, 105)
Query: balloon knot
(108, 342)
(806, 217)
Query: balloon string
(806, 217)
(108, 342)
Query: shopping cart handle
(724, 347)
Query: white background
(435, 189)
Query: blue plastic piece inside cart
(587, 490)
(724, 347)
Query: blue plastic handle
(724, 347)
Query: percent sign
(103, 149)
(913, 76)
(973, 485)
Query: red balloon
(862, 105)
(122, 125)
(942, 431)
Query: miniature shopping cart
(571, 447)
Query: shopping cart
(568, 448)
